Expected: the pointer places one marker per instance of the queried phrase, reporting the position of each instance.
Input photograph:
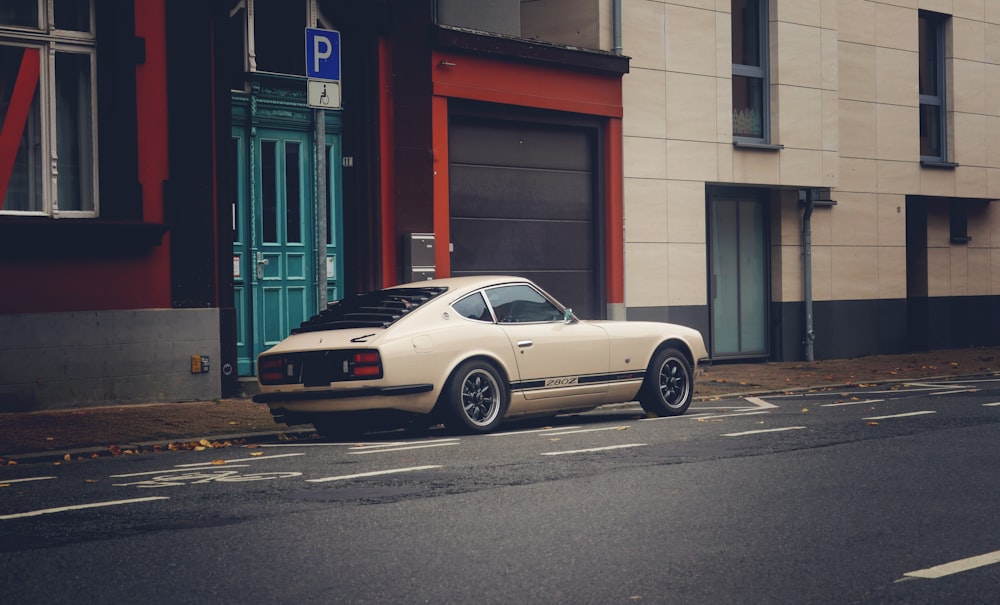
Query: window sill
(938, 164)
(32, 237)
(758, 146)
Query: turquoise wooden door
(275, 262)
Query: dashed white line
(384, 444)
(61, 509)
(533, 431)
(900, 415)
(5, 481)
(239, 460)
(991, 405)
(374, 473)
(785, 428)
(607, 428)
(843, 403)
(594, 449)
(954, 567)
(402, 448)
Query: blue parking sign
(322, 54)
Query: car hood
(329, 339)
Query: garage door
(524, 202)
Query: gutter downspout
(616, 26)
(807, 272)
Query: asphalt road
(870, 496)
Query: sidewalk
(120, 430)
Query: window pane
(73, 15)
(280, 36)
(293, 193)
(268, 190)
(746, 32)
(74, 136)
(19, 13)
(24, 189)
(748, 107)
(930, 130)
(929, 53)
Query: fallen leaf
(218, 462)
(233, 422)
(4, 484)
(50, 438)
(805, 410)
(115, 450)
(67, 457)
(200, 448)
(872, 423)
(256, 453)
(621, 428)
(204, 443)
(90, 481)
(253, 446)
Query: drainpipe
(616, 26)
(810, 203)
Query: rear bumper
(327, 394)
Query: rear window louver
(378, 309)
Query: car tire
(669, 384)
(476, 398)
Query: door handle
(524, 343)
(261, 261)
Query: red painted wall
(510, 83)
(127, 280)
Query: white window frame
(50, 41)
(762, 73)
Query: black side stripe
(528, 385)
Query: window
(932, 85)
(48, 143)
(473, 307)
(751, 119)
(521, 304)
(273, 37)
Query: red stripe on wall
(387, 164)
(442, 198)
(17, 115)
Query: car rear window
(378, 309)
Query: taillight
(365, 364)
(271, 370)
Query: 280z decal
(561, 382)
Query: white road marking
(687, 416)
(704, 416)
(61, 509)
(835, 405)
(403, 448)
(239, 460)
(594, 449)
(171, 470)
(5, 481)
(374, 473)
(900, 415)
(403, 443)
(607, 428)
(760, 403)
(787, 428)
(991, 405)
(533, 431)
(954, 567)
(967, 390)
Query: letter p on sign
(322, 54)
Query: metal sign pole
(321, 206)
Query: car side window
(521, 304)
(473, 307)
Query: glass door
(739, 279)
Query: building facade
(795, 178)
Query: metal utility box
(418, 257)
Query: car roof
(466, 283)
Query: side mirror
(568, 316)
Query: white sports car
(469, 352)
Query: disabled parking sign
(323, 68)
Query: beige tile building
(860, 134)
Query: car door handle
(524, 343)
